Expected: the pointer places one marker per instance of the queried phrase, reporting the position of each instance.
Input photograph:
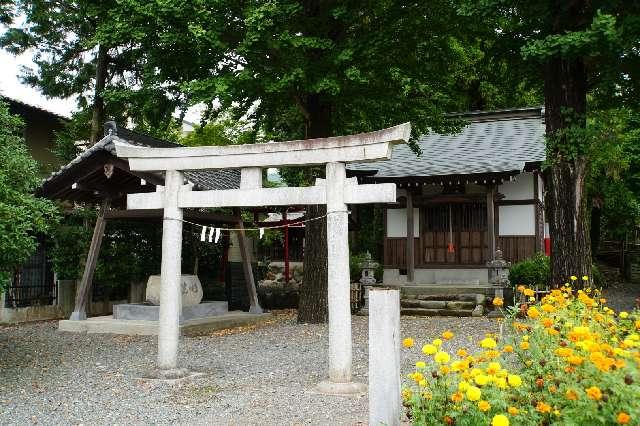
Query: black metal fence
(33, 284)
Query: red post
(286, 247)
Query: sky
(11, 87)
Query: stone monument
(368, 279)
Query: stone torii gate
(336, 191)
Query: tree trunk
(312, 302)
(565, 106)
(97, 116)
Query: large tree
(74, 58)
(308, 69)
(586, 54)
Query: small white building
(468, 194)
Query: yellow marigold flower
(637, 324)
(514, 380)
(524, 345)
(437, 343)
(488, 343)
(521, 288)
(457, 397)
(421, 364)
(533, 313)
(528, 292)
(547, 308)
(462, 353)
(429, 349)
(500, 420)
(441, 357)
(623, 315)
(493, 367)
(484, 405)
(491, 354)
(507, 348)
(623, 418)
(543, 408)
(422, 383)
(563, 352)
(406, 394)
(481, 379)
(594, 393)
(444, 369)
(573, 278)
(501, 382)
(585, 278)
(575, 360)
(571, 395)
(408, 342)
(463, 386)
(498, 301)
(417, 377)
(513, 411)
(447, 335)
(473, 393)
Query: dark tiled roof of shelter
(504, 141)
(202, 179)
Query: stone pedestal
(190, 290)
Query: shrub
(567, 359)
(532, 272)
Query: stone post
(170, 294)
(338, 286)
(384, 357)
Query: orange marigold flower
(623, 418)
(528, 292)
(524, 345)
(533, 313)
(484, 405)
(571, 395)
(521, 288)
(457, 397)
(498, 301)
(543, 408)
(548, 308)
(513, 411)
(547, 322)
(507, 348)
(462, 353)
(447, 335)
(594, 393)
(575, 360)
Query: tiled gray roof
(487, 146)
(203, 179)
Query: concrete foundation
(470, 276)
(145, 312)
(108, 325)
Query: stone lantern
(499, 273)
(367, 279)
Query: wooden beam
(410, 243)
(158, 214)
(254, 304)
(491, 227)
(82, 293)
(361, 147)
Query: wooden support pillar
(286, 247)
(82, 293)
(254, 305)
(491, 224)
(410, 239)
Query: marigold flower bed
(566, 359)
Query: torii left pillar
(170, 271)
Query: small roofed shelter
(97, 176)
(467, 195)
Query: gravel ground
(622, 296)
(262, 375)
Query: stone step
(465, 297)
(438, 304)
(442, 290)
(436, 312)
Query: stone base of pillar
(256, 309)
(78, 316)
(169, 374)
(348, 388)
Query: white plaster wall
(517, 220)
(397, 223)
(521, 188)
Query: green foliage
(222, 131)
(71, 240)
(22, 215)
(531, 272)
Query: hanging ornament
(217, 235)
(261, 232)
(450, 247)
(211, 231)
(203, 235)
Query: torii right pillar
(339, 291)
